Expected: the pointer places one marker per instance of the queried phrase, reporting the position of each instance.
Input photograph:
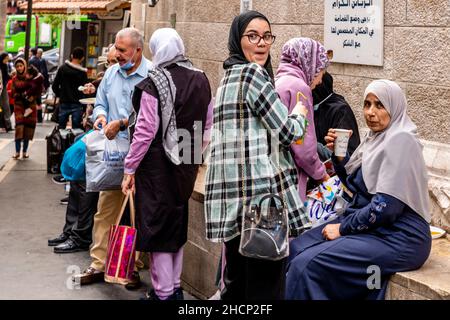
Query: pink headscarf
(307, 54)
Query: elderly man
(112, 109)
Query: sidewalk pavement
(30, 214)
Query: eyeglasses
(256, 38)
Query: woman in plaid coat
(268, 133)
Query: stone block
(205, 40)
(317, 11)
(314, 32)
(285, 11)
(397, 292)
(213, 70)
(428, 108)
(283, 34)
(428, 13)
(420, 55)
(395, 12)
(352, 88)
(384, 72)
(199, 271)
(207, 10)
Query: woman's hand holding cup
(331, 139)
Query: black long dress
(163, 189)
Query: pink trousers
(165, 272)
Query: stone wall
(416, 42)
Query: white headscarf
(392, 161)
(165, 45)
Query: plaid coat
(268, 133)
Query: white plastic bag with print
(327, 201)
(104, 161)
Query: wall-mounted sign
(111, 15)
(246, 5)
(354, 30)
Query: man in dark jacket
(331, 110)
(69, 78)
(39, 62)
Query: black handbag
(264, 233)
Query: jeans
(67, 109)
(25, 145)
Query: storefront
(96, 28)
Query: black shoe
(135, 282)
(59, 179)
(178, 294)
(68, 247)
(64, 201)
(151, 295)
(58, 240)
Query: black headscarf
(4, 68)
(238, 26)
(323, 90)
(333, 112)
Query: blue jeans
(67, 109)
(25, 145)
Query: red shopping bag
(121, 252)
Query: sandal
(16, 156)
(25, 156)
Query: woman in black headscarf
(5, 114)
(331, 110)
(251, 127)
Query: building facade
(416, 44)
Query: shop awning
(71, 7)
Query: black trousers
(80, 213)
(251, 279)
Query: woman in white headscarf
(172, 102)
(386, 228)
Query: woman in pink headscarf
(303, 63)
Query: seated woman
(386, 228)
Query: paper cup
(341, 142)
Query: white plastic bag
(327, 201)
(104, 161)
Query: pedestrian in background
(81, 205)
(5, 114)
(68, 79)
(303, 63)
(24, 98)
(266, 118)
(37, 61)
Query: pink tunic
(289, 81)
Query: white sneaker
(216, 296)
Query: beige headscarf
(392, 160)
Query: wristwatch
(122, 125)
